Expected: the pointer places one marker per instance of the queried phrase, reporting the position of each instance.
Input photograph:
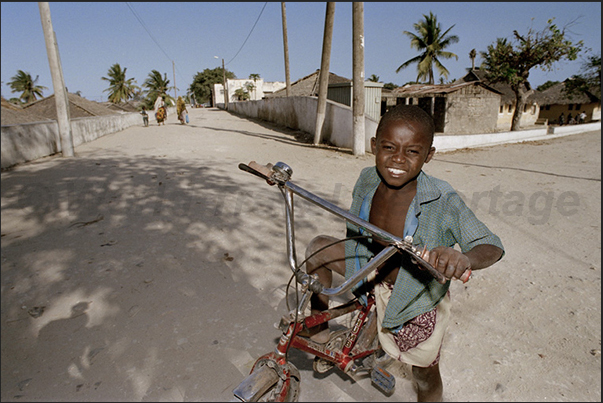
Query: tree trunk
(323, 77)
(521, 96)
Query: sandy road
(150, 268)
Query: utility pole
(224, 85)
(284, 17)
(174, 70)
(323, 85)
(358, 77)
(56, 71)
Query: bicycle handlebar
(280, 174)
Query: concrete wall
(593, 112)
(449, 143)
(30, 141)
(299, 113)
(528, 117)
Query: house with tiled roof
(78, 107)
(308, 85)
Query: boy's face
(400, 151)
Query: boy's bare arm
(482, 256)
(452, 263)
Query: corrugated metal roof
(413, 90)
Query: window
(570, 107)
(578, 107)
(533, 109)
(501, 109)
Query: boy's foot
(318, 334)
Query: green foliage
(120, 89)
(373, 78)
(22, 82)
(241, 94)
(546, 85)
(203, 83)
(390, 86)
(431, 41)
(589, 82)
(156, 86)
(510, 62)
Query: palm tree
(119, 89)
(374, 78)
(472, 55)
(22, 82)
(241, 94)
(431, 42)
(157, 86)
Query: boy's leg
(323, 264)
(429, 383)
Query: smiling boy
(396, 195)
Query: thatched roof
(78, 107)
(308, 86)
(14, 115)
(556, 96)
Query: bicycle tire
(276, 392)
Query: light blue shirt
(436, 217)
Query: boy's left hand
(448, 261)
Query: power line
(146, 29)
(256, 21)
(152, 37)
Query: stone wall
(471, 110)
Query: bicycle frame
(272, 368)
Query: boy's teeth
(396, 171)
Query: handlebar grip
(256, 169)
(466, 276)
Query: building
(506, 108)
(308, 86)
(339, 90)
(257, 89)
(554, 101)
(458, 108)
(78, 107)
(342, 93)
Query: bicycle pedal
(383, 380)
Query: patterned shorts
(419, 341)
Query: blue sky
(94, 36)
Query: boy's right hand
(448, 261)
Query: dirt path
(150, 268)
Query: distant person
(145, 116)
(561, 119)
(582, 117)
(181, 110)
(160, 110)
(570, 119)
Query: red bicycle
(354, 350)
